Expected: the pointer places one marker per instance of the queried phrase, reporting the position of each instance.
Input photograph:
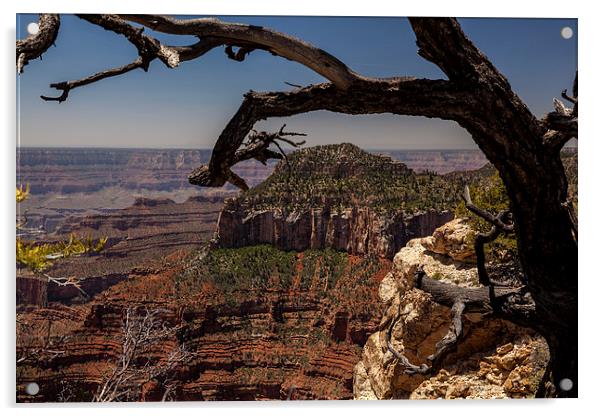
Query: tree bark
(512, 139)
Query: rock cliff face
(358, 231)
(340, 197)
(31, 289)
(495, 359)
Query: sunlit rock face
(494, 359)
(454, 239)
(358, 231)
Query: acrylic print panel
(295, 208)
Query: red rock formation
(31, 289)
(275, 344)
(328, 197)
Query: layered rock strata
(358, 231)
(73, 170)
(297, 338)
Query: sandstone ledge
(495, 359)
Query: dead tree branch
(512, 303)
(251, 37)
(140, 331)
(409, 368)
(67, 86)
(450, 340)
(211, 33)
(562, 123)
(501, 223)
(496, 220)
(67, 281)
(401, 96)
(34, 46)
(255, 147)
(148, 47)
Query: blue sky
(187, 107)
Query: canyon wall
(287, 329)
(339, 197)
(358, 231)
(74, 170)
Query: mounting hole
(566, 32)
(566, 384)
(33, 28)
(32, 389)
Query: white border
(590, 200)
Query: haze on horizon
(187, 107)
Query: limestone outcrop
(358, 231)
(495, 358)
(454, 239)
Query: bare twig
(139, 333)
(562, 123)
(67, 281)
(496, 220)
(67, 86)
(256, 147)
